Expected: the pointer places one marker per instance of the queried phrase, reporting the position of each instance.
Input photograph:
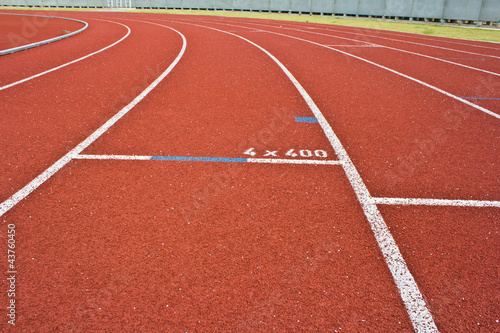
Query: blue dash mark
(488, 98)
(306, 119)
(198, 159)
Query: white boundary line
(43, 42)
(111, 157)
(416, 307)
(367, 45)
(35, 183)
(480, 108)
(71, 62)
(435, 202)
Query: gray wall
(473, 10)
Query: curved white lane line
(35, 183)
(379, 45)
(43, 42)
(416, 307)
(409, 52)
(441, 39)
(480, 108)
(416, 43)
(71, 62)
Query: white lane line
(368, 45)
(408, 42)
(435, 202)
(283, 161)
(415, 53)
(35, 183)
(71, 62)
(111, 157)
(445, 40)
(417, 310)
(381, 46)
(480, 108)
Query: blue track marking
(199, 159)
(488, 98)
(306, 119)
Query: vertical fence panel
(94, 3)
(31, 2)
(174, 3)
(242, 4)
(48, 3)
(371, 7)
(428, 8)
(190, 4)
(322, 6)
(78, 3)
(400, 8)
(260, 5)
(300, 5)
(155, 3)
(346, 7)
(217, 4)
(490, 11)
(462, 9)
(280, 5)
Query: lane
(43, 123)
(453, 252)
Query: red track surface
(143, 245)
(22, 30)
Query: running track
(187, 173)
